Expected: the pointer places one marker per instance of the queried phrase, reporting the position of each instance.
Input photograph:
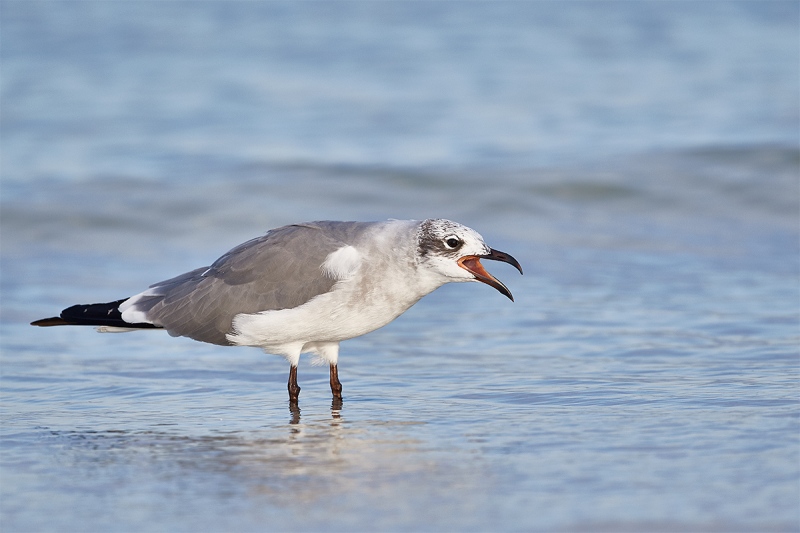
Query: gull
(304, 288)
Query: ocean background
(640, 158)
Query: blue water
(640, 159)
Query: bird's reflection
(294, 411)
(336, 408)
(336, 411)
(279, 464)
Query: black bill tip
(497, 255)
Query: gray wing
(279, 270)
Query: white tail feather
(114, 329)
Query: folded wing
(280, 270)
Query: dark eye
(452, 242)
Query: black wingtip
(53, 321)
(105, 314)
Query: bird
(304, 288)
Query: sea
(641, 160)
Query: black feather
(106, 314)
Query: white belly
(341, 314)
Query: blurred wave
(166, 90)
(681, 192)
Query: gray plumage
(279, 270)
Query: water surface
(643, 170)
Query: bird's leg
(336, 386)
(294, 388)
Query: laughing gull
(303, 288)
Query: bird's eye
(452, 242)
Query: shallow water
(645, 378)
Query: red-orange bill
(472, 264)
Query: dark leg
(336, 386)
(294, 388)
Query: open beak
(472, 264)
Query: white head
(454, 251)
